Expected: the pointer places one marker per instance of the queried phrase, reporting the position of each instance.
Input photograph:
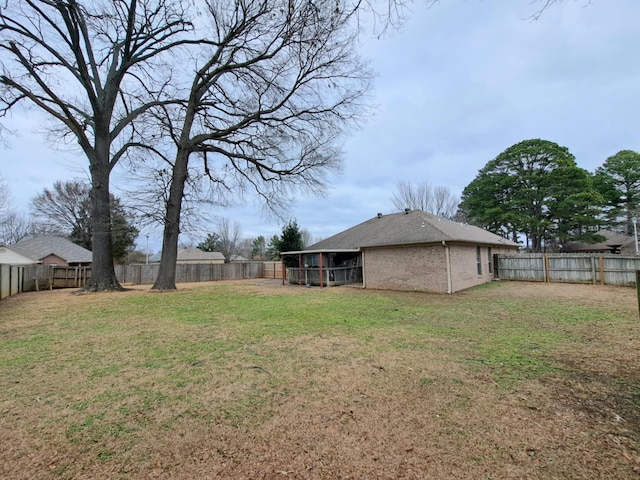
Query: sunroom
(323, 267)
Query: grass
(108, 380)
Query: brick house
(412, 250)
(192, 255)
(57, 251)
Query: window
(479, 260)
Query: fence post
(547, 276)
(638, 288)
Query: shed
(12, 257)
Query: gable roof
(409, 228)
(618, 239)
(8, 256)
(41, 247)
(614, 241)
(193, 254)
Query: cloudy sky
(458, 84)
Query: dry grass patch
(261, 381)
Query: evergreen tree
(534, 189)
(258, 248)
(618, 181)
(291, 240)
(210, 244)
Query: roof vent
(406, 211)
(379, 215)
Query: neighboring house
(54, 251)
(195, 255)
(238, 259)
(615, 242)
(411, 250)
(192, 255)
(11, 257)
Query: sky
(459, 83)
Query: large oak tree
(91, 67)
(266, 106)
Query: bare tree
(229, 238)
(5, 198)
(445, 203)
(266, 106)
(66, 208)
(89, 66)
(14, 227)
(437, 200)
(406, 195)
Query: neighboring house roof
(191, 254)
(238, 258)
(11, 257)
(194, 254)
(41, 247)
(409, 228)
(614, 242)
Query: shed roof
(409, 228)
(9, 256)
(41, 247)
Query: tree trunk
(166, 279)
(103, 275)
(536, 243)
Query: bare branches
(281, 85)
(437, 200)
(544, 5)
(83, 63)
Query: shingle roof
(616, 238)
(41, 247)
(191, 254)
(408, 228)
(612, 239)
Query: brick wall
(423, 268)
(54, 260)
(420, 268)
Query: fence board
(569, 268)
(190, 272)
(5, 281)
(11, 280)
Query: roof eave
(322, 250)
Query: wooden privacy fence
(15, 279)
(190, 272)
(272, 269)
(568, 268)
(37, 277)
